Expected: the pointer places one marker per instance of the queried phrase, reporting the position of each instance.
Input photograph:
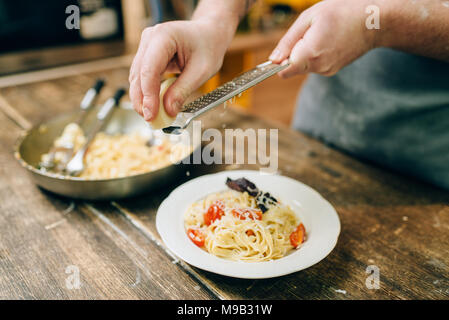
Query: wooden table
(398, 224)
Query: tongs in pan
(67, 148)
(76, 165)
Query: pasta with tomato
(234, 225)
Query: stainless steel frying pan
(39, 139)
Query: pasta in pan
(120, 155)
(231, 225)
(115, 156)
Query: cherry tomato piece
(298, 235)
(244, 214)
(196, 236)
(215, 212)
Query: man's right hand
(195, 49)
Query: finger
(155, 60)
(289, 40)
(137, 61)
(299, 60)
(135, 93)
(192, 77)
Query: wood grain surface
(42, 236)
(393, 222)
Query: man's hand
(331, 34)
(325, 38)
(195, 49)
(192, 48)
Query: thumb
(299, 60)
(289, 40)
(192, 77)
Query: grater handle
(233, 88)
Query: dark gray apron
(388, 107)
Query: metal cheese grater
(222, 94)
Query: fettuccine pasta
(230, 225)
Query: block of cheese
(162, 119)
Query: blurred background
(35, 43)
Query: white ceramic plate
(318, 216)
